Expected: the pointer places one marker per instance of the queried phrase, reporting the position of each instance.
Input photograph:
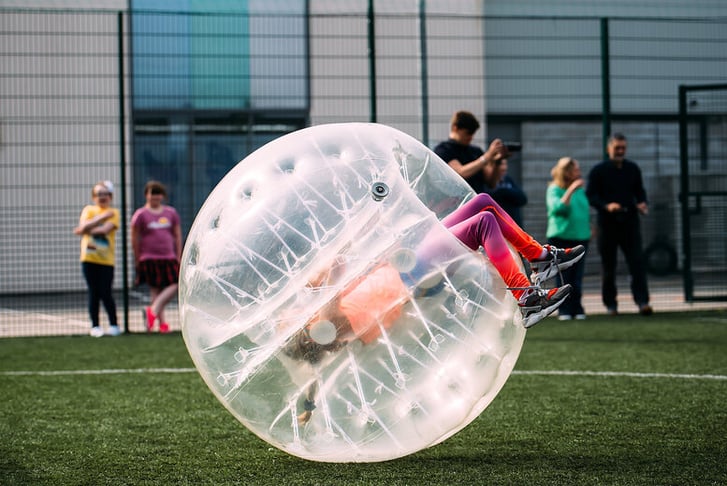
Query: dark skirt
(157, 273)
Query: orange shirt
(375, 301)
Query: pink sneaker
(150, 319)
(164, 328)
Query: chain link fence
(181, 97)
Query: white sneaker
(114, 331)
(96, 331)
(580, 317)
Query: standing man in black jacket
(616, 190)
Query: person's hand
(576, 184)
(568, 194)
(613, 207)
(643, 208)
(304, 417)
(318, 279)
(495, 151)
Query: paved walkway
(667, 295)
(59, 315)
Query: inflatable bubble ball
(328, 309)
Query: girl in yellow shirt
(97, 228)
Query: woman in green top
(569, 224)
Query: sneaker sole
(533, 319)
(553, 270)
(536, 317)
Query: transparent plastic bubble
(323, 332)
(284, 238)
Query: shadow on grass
(12, 472)
(511, 463)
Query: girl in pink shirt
(156, 239)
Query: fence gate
(703, 153)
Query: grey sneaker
(536, 303)
(556, 260)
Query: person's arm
(136, 228)
(555, 204)
(135, 242)
(98, 225)
(466, 170)
(488, 175)
(327, 277)
(596, 189)
(177, 231)
(568, 194)
(309, 404)
(640, 193)
(109, 225)
(593, 190)
(178, 241)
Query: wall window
(212, 81)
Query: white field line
(39, 316)
(622, 374)
(606, 374)
(99, 372)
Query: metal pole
(122, 164)
(684, 196)
(372, 60)
(424, 70)
(307, 63)
(605, 85)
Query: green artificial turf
(625, 400)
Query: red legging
(482, 222)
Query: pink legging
(482, 222)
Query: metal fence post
(122, 167)
(605, 85)
(372, 59)
(424, 73)
(684, 195)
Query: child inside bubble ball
(376, 299)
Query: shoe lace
(530, 287)
(553, 262)
(530, 290)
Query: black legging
(99, 279)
